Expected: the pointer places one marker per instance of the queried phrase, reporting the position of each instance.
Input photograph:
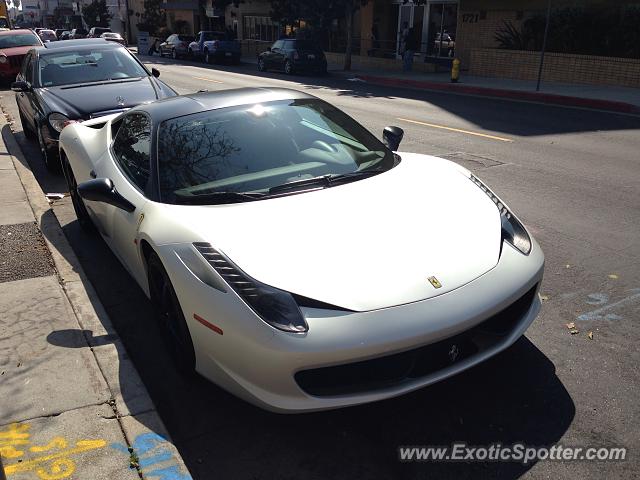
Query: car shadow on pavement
(514, 397)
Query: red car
(14, 45)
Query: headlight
(276, 307)
(3, 59)
(57, 121)
(512, 230)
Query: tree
(96, 13)
(154, 17)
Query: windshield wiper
(325, 181)
(217, 198)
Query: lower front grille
(393, 370)
(16, 61)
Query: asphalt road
(572, 175)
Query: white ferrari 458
(293, 258)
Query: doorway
(441, 32)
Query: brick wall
(376, 63)
(476, 29)
(558, 67)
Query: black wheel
(78, 204)
(262, 67)
(50, 161)
(190, 54)
(174, 54)
(27, 128)
(170, 317)
(288, 67)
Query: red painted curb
(503, 93)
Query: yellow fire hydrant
(455, 70)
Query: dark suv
(293, 55)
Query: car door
(28, 99)
(128, 165)
(21, 98)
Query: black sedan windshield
(258, 148)
(87, 65)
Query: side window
(132, 147)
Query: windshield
(87, 65)
(208, 36)
(254, 148)
(20, 40)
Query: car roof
(14, 32)
(188, 104)
(81, 42)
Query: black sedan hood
(81, 101)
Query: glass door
(441, 34)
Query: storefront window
(259, 28)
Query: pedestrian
(403, 38)
(154, 48)
(410, 46)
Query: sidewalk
(71, 402)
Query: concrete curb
(112, 359)
(539, 97)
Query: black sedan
(79, 80)
(293, 55)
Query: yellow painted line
(451, 129)
(208, 79)
(81, 446)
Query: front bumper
(260, 364)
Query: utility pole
(544, 45)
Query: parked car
(113, 37)
(96, 32)
(176, 46)
(59, 32)
(77, 33)
(14, 45)
(214, 47)
(47, 35)
(293, 55)
(293, 321)
(79, 80)
(65, 35)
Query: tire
(174, 54)
(190, 54)
(166, 305)
(27, 128)
(262, 67)
(288, 67)
(78, 203)
(50, 161)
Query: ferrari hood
(368, 244)
(80, 101)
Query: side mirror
(21, 86)
(392, 136)
(103, 190)
(155, 72)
